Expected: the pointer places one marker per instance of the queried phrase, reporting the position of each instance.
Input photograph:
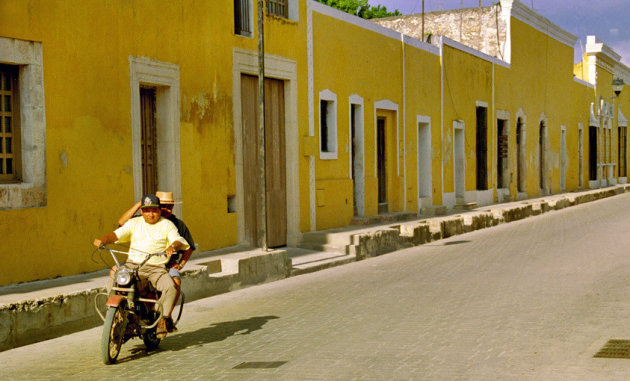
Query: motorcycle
(132, 311)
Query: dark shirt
(182, 229)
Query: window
(10, 152)
(622, 151)
(592, 153)
(242, 18)
(482, 148)
(278, 8)
(502, 153)
(327, 125)
(149, 142)
(155, 126)
(23, 125)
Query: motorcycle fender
(114, 300)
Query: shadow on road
(215, 332)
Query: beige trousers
(160, 279)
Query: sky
(609, 20)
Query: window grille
(149, 140)
(278, 8)
(9, 129)
(622, 151)
(242, 25)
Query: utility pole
(422, 20)
(262, 228)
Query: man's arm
(128, 214)
(174, 247)
(104, 240)
(185, 257)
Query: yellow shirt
(148, 238)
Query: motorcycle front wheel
(113, 333)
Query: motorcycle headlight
(123, 277)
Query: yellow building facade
(107, 100)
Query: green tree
(361, 8)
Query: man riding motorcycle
(177, 262)
(151, 234)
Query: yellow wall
(87, 46)
(350, 60)
(86, 51)
(540, 83)
(467, 79)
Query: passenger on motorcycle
(151, 234)
(177, 262)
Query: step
(309, 264)
(465, 206)
(384, 218)
(325, 247)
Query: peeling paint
(63, 156)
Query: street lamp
(608, 111)
(617, 85)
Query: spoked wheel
(113, 333)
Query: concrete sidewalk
(36, 311)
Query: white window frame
(250, 11)
(31, 191)
(331, 121)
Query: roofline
(369, 25)
(521, 12)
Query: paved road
(530, 300)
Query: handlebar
(147, 256)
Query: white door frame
(359, 157)
(424, 162)
(246, 62)
(459, 159)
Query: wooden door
(353, 152)
(275, 161)
(148, 140)
(249, 107)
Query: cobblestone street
(531, 300)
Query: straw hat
(166, 197)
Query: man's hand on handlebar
(107, 238)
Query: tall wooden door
(275, 161)
(149, 140)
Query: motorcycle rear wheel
(113, 333)
(150, 340)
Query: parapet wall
(482, 28)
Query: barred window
(278, 8)
(242, 18)
(9, 127)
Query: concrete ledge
(30, 321)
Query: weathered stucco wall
(482, 28)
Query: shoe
(161, 330)
(170, 325)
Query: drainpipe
(262, 229)
(441, 44)
(422, 35)
(404, 110)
